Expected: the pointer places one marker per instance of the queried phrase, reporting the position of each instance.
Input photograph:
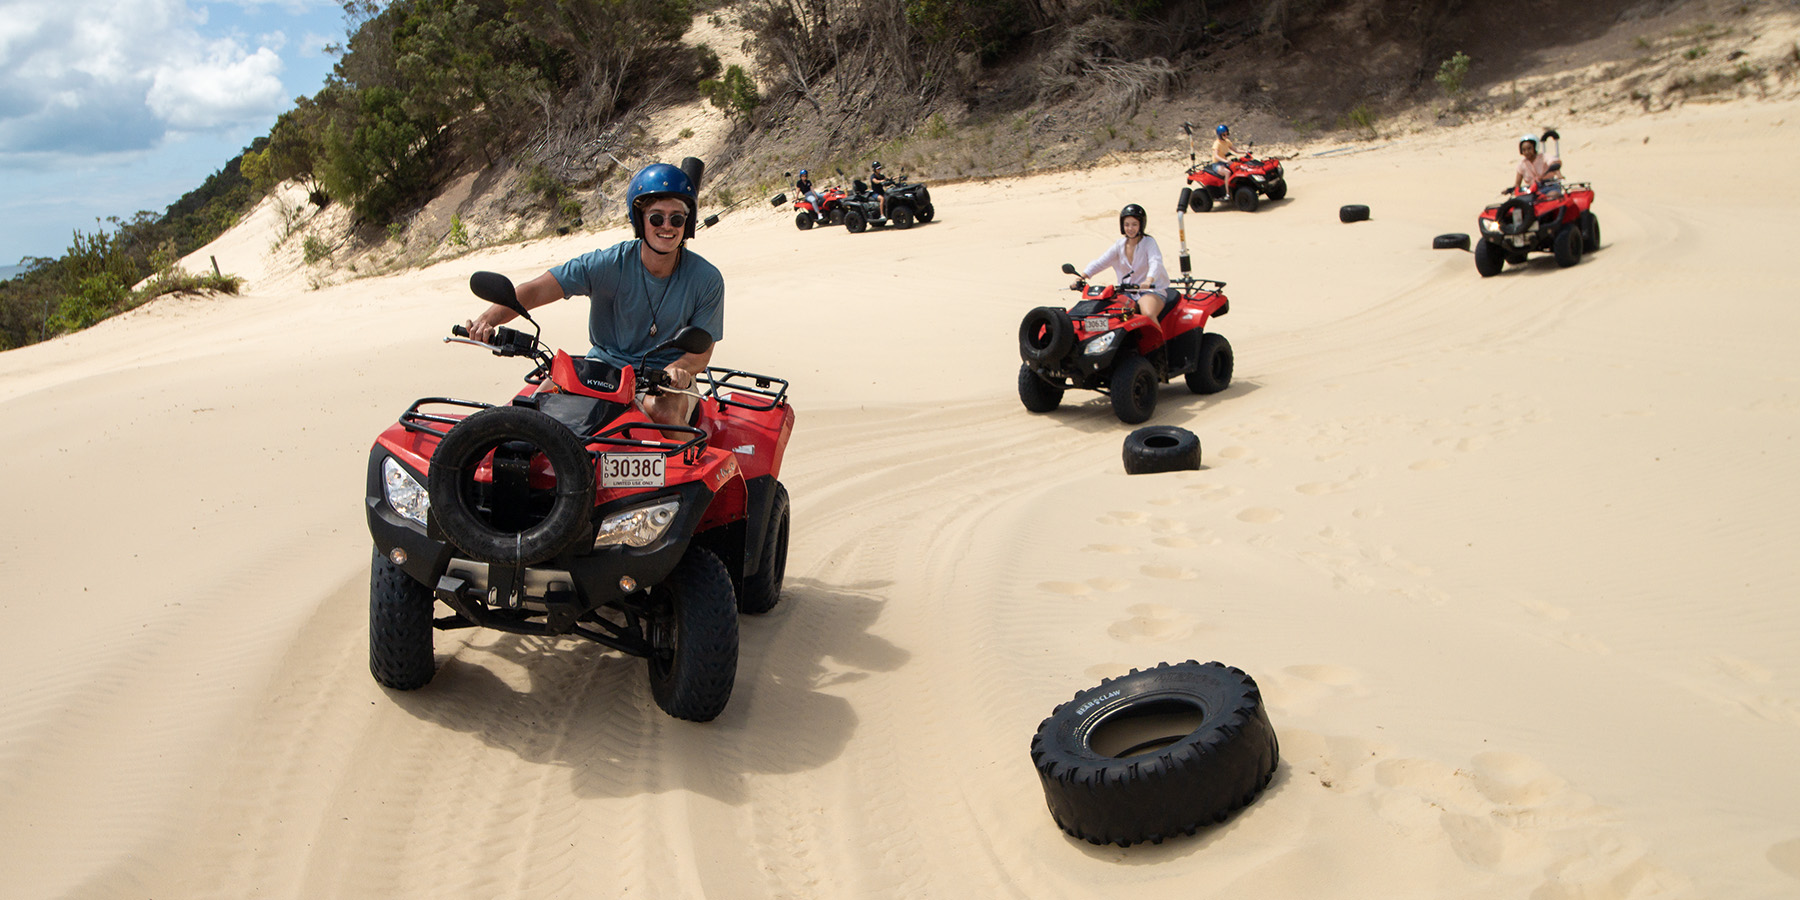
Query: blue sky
(108, 107)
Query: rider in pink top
(1535, 168)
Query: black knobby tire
(1450, 242)
(1038, 395)
(1155, 753)
(1567, 246)
(1133, 389)
(695, 663)
(763, 590)
(451, 486)
(1276, 189)
(803, 220)
(901, 216)
(1201, 200)
(1489, 259)
(854, 223)
(926, 213)
(1161, 448)
(399, 627)
(1353, 213)
(1517, 215)
(1590, 232)
(1245, 198)
(1212, 371)
(1046, 335)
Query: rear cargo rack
(771, 391)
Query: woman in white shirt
(1538, 170)
(1137, 260)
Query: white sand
(1512, 558)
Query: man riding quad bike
(906, 203)
(1104, 343)
(1241, 179)
(567, 512)
(1542, 215)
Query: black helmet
(876, 166)
(1132, 210)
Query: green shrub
(459, 235)
(735, 93)
(95, 297)
(314, 249)
(1451, 73)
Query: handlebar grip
(459, 331)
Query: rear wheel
(901, 216)
(1590, 232)
(1245, 198)
(803, 220)
(1212, 373)
(399, 627)
(694, 638)
(763, 590)
(1201, 200)
(1568, 246)
(1133, 388)
(854, 223)
(1037, 394)
(1488, 259)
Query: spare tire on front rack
(505, 521)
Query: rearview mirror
(497, 289)
(1069, 269)
(689, 339)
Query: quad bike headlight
(1100, 345)
(1490, 226)
(403, 492)
(639, 526)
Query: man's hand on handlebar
(481, 328)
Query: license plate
(632, 470)
(1094, 323)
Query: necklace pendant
(653, 329)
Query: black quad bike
(1103, 343)
(906, 204)
(567, 512)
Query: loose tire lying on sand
(1450, 242)
(1161, 448)
(1155, 753)
(1353, 213)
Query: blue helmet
(654, 182)
(803, 171)
(1222, 130)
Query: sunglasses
(675, 220)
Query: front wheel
(1277, 189)
(693, 663)
(1038, 395)
(854, 222)
(803, 220)
(1133, 388)
(1212, 373)
(1488, 259)
(763, 590)
(926, 213)
(399, 627)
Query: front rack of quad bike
(768, 391)
(692, 442)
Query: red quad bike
(1247, 179)
(830, 209)
(566, 512)
(1104, 343)
(1546, 218)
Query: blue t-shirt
(626, 299)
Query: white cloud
(224, 87)
(93, 76)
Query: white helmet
(1529, 137)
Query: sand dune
(1512, 559)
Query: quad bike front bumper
(548, 598)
